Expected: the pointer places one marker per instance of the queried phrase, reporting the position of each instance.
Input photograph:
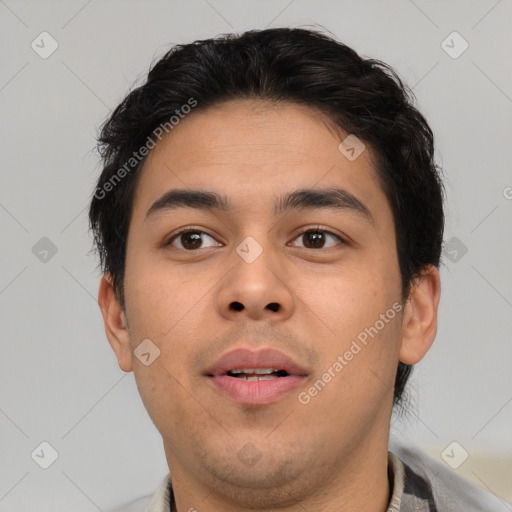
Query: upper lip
(244, 358)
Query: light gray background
(60, 381)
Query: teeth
(255, 377)
(255, 374)
(257, 371)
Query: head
(320, 157)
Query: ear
(419, 325)
(116, 325)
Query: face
(316, 281)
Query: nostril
(237, 306)
(274, 306)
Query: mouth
(255, 378)
(256, 374)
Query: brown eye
(316, 239)
(190, 240)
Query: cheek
(164, 308)
(361, 307)
(161, 304)
(166, 396)
(352, 298)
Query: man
(269, 221)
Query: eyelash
(318, 229)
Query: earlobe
(419, 324)
(116, 327)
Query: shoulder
(428, 482)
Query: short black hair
(362, 96)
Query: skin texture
(324, 455)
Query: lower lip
(256, 392)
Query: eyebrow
(328, 198)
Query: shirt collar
(396, 474)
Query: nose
(256, 288)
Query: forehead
(254, 151)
